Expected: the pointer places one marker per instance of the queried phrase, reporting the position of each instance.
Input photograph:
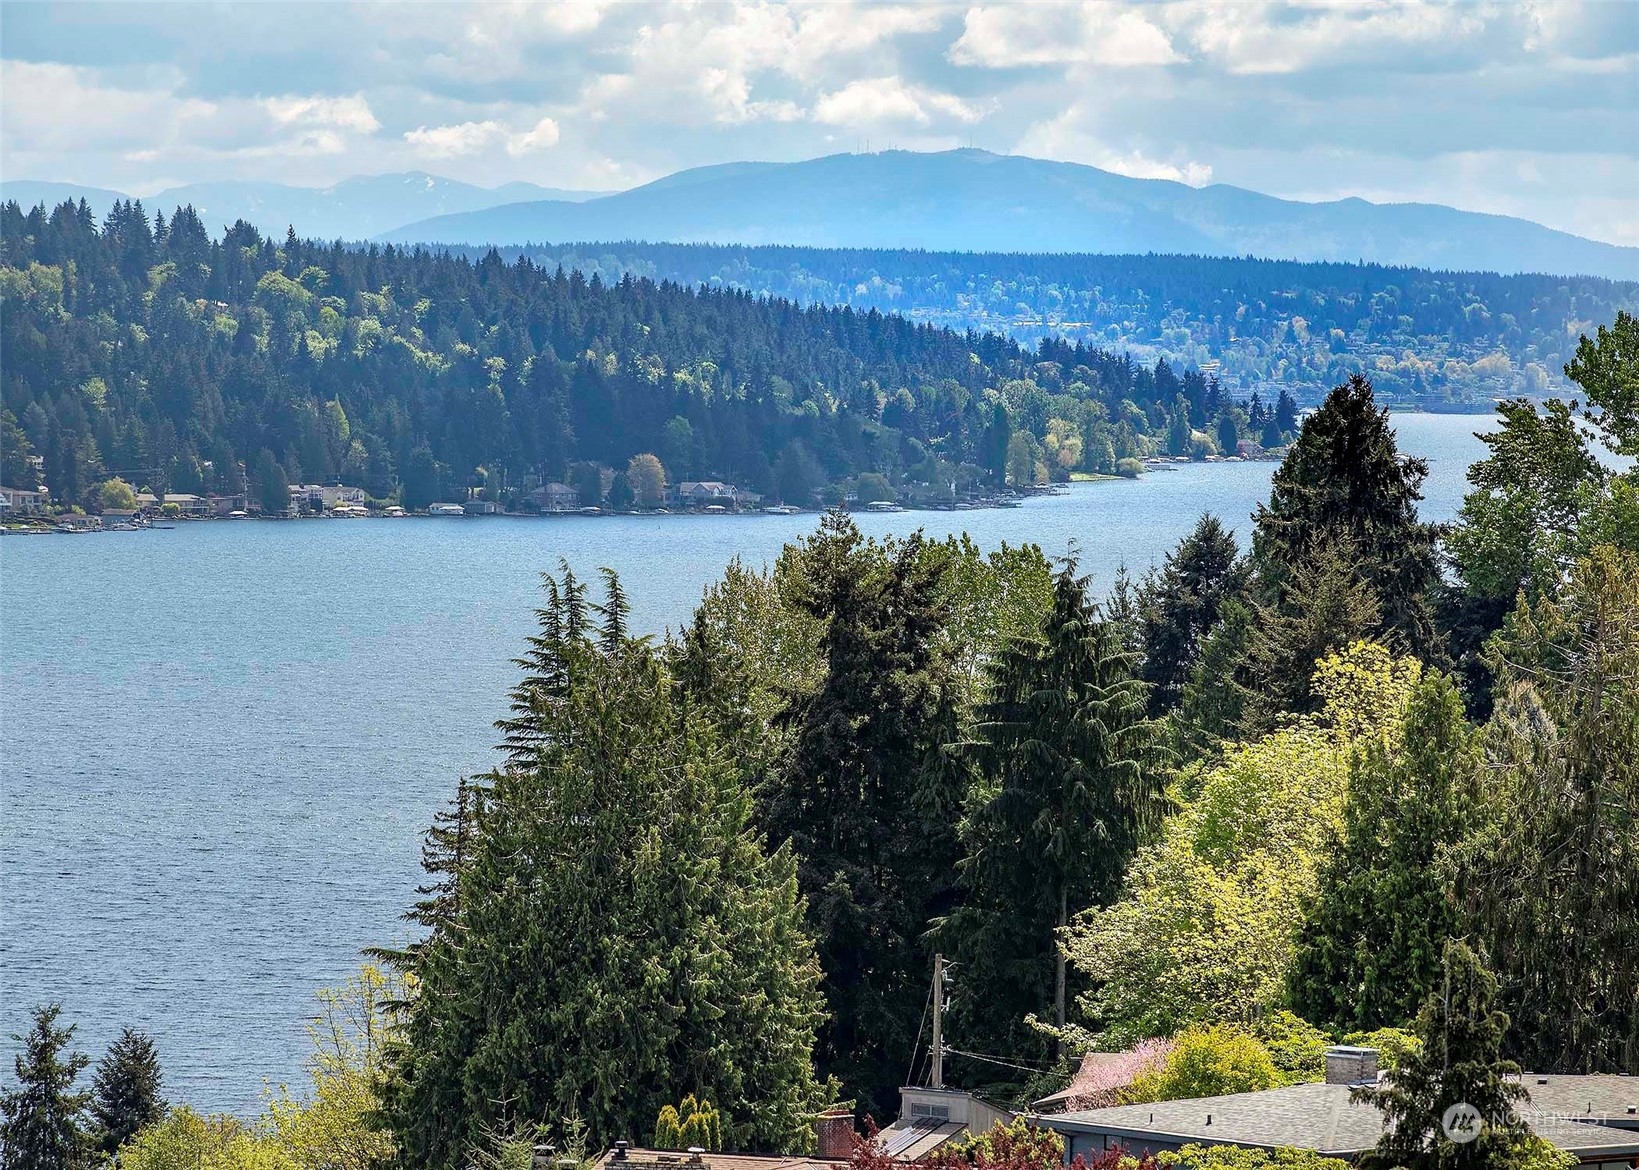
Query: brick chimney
(1346, 1065)
(835, 1134)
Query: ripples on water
(221, 743)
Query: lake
(221, 743)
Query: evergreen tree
(1344, 482)
(1286, 412)
(863, 798)
(1066, 780)
(125, 1093)
(1459, 1064)
(1370, 951)
(1180, 604)
(42, 1116)
(620, 938)
(1553, 877)
(1324, 606)
(269, 483)
(1213, 705)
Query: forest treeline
(1434, 339)
(144, 349)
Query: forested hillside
(146, 349)
(1434, 339)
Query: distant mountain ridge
(971, 200)
(353, 209)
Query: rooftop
(1321, 1117)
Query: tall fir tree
(43, 1115)
(126, 1091)
(864, 800)
(1180, 603)
(616, 936)
(1344, 483)
(1067, 776)
(1370, 952)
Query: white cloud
(889, 100)
(454, 141)
(543, 135)
(344, 113)
(1061, 34)
(1289, 96)
(1070, 138)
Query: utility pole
(937, 1081)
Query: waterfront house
(555, 497)
(481, 508)
(21, 502)
(705, 493)
(186, 502)
(314, 497)
(446, 510)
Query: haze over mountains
(353, 209)
(959, 200)
(971, 200)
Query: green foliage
(1606, 366)
(116, 494)
(42, 1116)
(435, 373)
(187, 1141)
(1460, 1060)
(1066, 780)
(613, 934)
(1179, 604)
(1370, 950)
(647, 479)
(1205, 931)
(1198, 1157)
(125, 1093)
(1296, 1047)
(1552, 877)
(1206, 1062)
(688, 1125)
(1343, 509)
(863, 797)
(1394, 1045)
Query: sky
(1525, 108)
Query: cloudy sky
(1525, 108)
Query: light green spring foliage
(1196, 1157)
(691, 1123)
(1296, 1047)
(1394, 1045)
(1206, 930)
(1206, 1061)
(331, 1127)
(185, 1140)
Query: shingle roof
(1314, 1117)
(1317, 1117)
(1598, 1096)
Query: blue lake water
(221, 743)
